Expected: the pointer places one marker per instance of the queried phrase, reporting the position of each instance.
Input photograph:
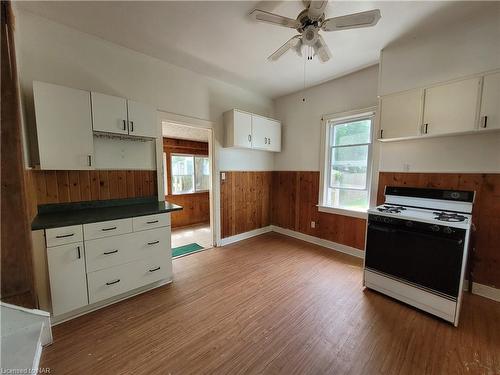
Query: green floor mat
(186, 249)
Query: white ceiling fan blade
(275, 19)
(316, 9)
(291, 43)
(321, 49)
(352, 21)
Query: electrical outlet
(223, 176)
(313, 224)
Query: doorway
(187, 166)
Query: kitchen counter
(65, 214)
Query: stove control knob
(448, 230)
(387, 220)
(409, 224)
(435, 228)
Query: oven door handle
(381, 228)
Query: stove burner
(449, 217)
(391, 209)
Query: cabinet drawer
(111, 251)
(63, 235)
(107, 228)
(151, 221)
(113, 281)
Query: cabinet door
(451, 108)
(400, 115)
(109, 113)
(142, 120)
(274, 136)
(242, 129)
(260, 132)
(68, 282)
(64, 127)
(490, 102)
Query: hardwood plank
(75, 194)
(104, 192)
(85, 191)
(63, 186)
(130, 184)
(273, 304)
(52, 187)
(95, 185)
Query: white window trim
(324, 157)
(194, 191)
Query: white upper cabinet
(141, 120)
(238, 129)
(266, 134)
(452, 107)
(490, 102)
(247, 130)
(400, 114)
(64, 127)
(109, 113)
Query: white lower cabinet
(112, 262)
(68, 281)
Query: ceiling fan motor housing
(310, 35)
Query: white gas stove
(417, 245)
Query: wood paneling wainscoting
(245, 202)
(486, 214)
(76, 186)
(294, 202)
(196, 206)
(195, 209)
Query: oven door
(422, 254)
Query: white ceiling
(171, 130)
(218, 39)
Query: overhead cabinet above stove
(248, 130)
(465, 106)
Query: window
(190, 173)
(346, 177)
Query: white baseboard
(486, 291)
(243, 236)
(321, 242)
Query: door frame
(192, 122)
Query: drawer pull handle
(151, 222)
(106, 229)
(79, 253)
(65, 235)
(113, 282)
(154, 269)
(153, 243)
(110, 252)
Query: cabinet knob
(89, 160)
(113, 282)
(124, 124)
(249, 138)
(78, 252)
(131, 126)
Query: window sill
(362, 214)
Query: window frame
(325, 159)
(194, 156)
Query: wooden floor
(273, 305)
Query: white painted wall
(470, 46)
(54, 53)
(302, 120)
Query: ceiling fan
(309, 22)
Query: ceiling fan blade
(295, 42)
(275, 19)
(352, 21)
(316, 9)
(321, 50)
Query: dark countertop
(61, 215)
